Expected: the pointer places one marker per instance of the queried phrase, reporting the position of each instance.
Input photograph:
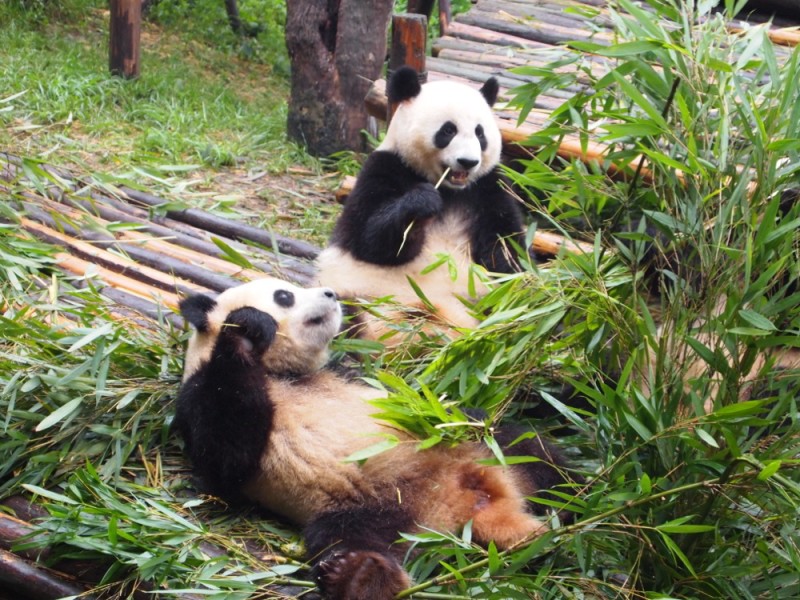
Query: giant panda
(265, 420)
(431, 189)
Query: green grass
(197, 107)
(679, 504)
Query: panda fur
(395, 222)
(264, 420)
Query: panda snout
(468, 163)
(329, 293)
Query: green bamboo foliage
(689, 441)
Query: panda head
(443, 125)
(307, 320)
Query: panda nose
(329, 293)
(467, 163)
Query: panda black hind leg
(354, 554)
(226, 432)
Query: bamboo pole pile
(141, 259)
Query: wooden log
(543, 12)
(785, 36)
(545, 33)
(291, 257)
(479, 73)
(124, 35)
(117, 211)
(32, 581)
(474, 52)
(84, 268)
(409, 42)
(335, 49)
(478, 34)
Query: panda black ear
(490, 90)
(403, 85)
(195, 309)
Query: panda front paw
(361, 575)
(250, 331)
(423, 202)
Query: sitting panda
(264, 420)
(431, 189)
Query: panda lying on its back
(263, 420)
(395, 222)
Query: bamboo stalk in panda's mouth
(441, 179)
(410, 225)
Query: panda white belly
(442, 286)
(317, 423)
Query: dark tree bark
(336, 48)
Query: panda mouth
(317, 320)
(457, 178)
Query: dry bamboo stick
(137, 245)
(195, 239)
(143, 256)
(116, 262)
(193, 217)
(237, 231)
(84, 268)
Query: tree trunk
(336, 48)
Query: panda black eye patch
(445, 134)
(481, 137)
(284, 298)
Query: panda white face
(307, 319)
(447, 125)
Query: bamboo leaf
(58, 415)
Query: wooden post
(445, 16)
(124, 34)
(409, 37)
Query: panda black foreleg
(354, 554)
(395, 232)
(223, 412)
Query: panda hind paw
(361, 575)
